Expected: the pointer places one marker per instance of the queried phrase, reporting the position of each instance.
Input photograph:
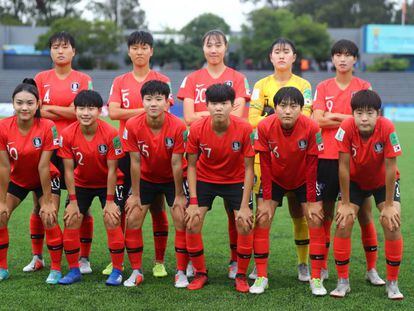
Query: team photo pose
(155, 142)
(27, 142)
(368, 150)
(90, 152)
(220, 163)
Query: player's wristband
(193, 201)
(72, 197)
(109, 197)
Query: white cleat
(85, 265)
(303, 272)
(135, 279)
(317, 287)
(253, 274)
(232, 270)
(259, 286)
(342, 288)
(373, 277)
(36, 264)
(324, 274)
(392, 290)
(181, 280)
(190, 270)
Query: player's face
(220, 111)
(214, 49)
(25, 105)
(343, 62)
(87, 116)
(155, 105)
(140, 54)
(282, 57)
(365, 120)
(62, 53)
(288, 112)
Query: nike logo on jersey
(46, 85)
(74, 148)
(329, 97)
(199, 85)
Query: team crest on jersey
(169, 142)
(229, 83)
(378, 147)
(103, 149)
(302, 144)
(395, 142)
(37, 142)
(236, 146)
(117, 145)
(319, 141)
(75, 86)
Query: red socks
(232, 237)
(86, 235)
(327, 226)
(393, 256)
(37, 234)
(244, 252)
(342, 254)
(317, 250)
(134, 247)
(71, 245)
(370, 243)
(54, 240)
(181, 254)
(160, 229)
(261, 250)
(116, 246)
(4, 246)
(196, 251)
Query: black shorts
(85, 196)
(259, 195)
(150, 190)
(231, 193)
(278, 193)
(21, 193)
(58, 163)
(327, 185)
(124, 164)
(357, 195)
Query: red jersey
(221, 160)
(25, 150)
(329, 97)
(288, 153)
(194, 86)
(156, 149)
(91, 156)
(54, 91)
(367, 164)
(126, 90)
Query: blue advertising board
(389, 39)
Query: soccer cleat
(115, 278)
(36, 264)
(190, 270)
(4, 274)
(136, 278)
(73, 276)
(342, 288)
(253, 274)
(259, 286)
(200, 279)
(108, 269)
(324, 274)
(303, 272)
(159, 271)
(392, 290)
(317, 287)
(54, 277)
(241, 283)
(181, 280)
(85, 265)
(232, 269)
(373, 277)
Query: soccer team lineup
(328, 152)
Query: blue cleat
(54, 277)
(4, 274)
(115, 278)
(73, 276)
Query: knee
(110, 223)
(133, 219)
(4, 219)
(73, 223)
(243, 229)
(263, 221)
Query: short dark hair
(366, 99)
(289, 93)
(62, 36)
(217, 93)
(215, 33)
(88, 98)
(140, 37)
(345, 46)
(155, 87)
(283, 42)
(28, 85)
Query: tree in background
(12, 12)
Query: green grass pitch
(29, 291)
